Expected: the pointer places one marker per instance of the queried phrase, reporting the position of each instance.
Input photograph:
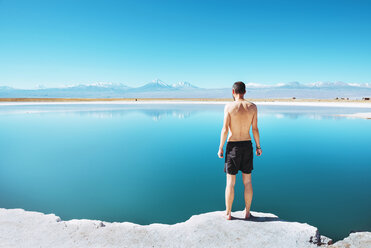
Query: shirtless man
(239, 116)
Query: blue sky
(207, 43)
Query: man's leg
(246, 178)
(229, 194)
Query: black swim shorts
(238, 156)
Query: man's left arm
(224, 133)
(255, 132)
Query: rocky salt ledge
(20, 228)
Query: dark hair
(239, 87)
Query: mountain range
(160, 89)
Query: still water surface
(158, 163)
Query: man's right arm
(224, 133)
(255, 132)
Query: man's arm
(255, 132)
(224, 133)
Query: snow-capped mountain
(292, 85)
(160, 89)
(298, 85)
(99, 85)
(256, 85)
(161, 85)
(155, 85)
(183, 85)
(330, 84)
(333, 85)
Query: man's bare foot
(247, 215)
(228, 216)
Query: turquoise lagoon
(157, 163)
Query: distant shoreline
(175, 99)
(259, 102)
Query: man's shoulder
(233, 104)
(251, 104)
(228, 105)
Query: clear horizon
(210, 44)
(248, 85)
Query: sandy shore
(278, 102)
(173, 99)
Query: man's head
(238, 89)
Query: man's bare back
(241, 114)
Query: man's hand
(259, 152)
(220, 153)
